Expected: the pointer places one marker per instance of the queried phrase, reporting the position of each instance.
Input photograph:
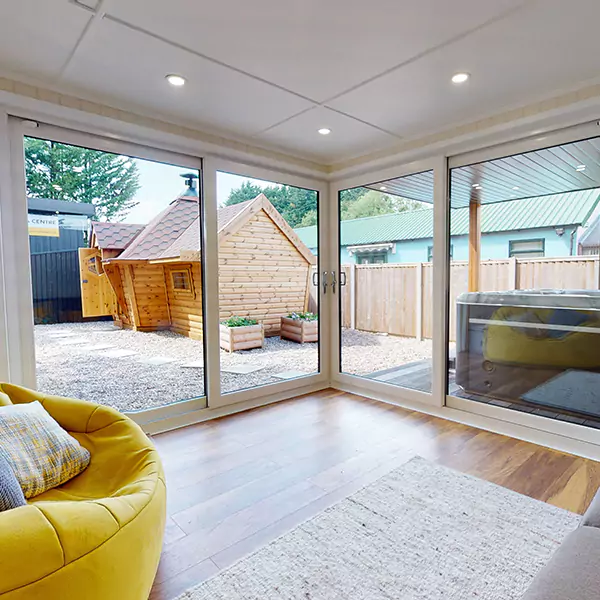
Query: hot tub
(510, 342)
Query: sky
(160, 184)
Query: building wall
(493, 246)
(185, 308)
(261, 274)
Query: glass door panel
(385, 254)
(116, 262)
(524, 300)
(268, 282)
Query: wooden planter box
(241, 338)
(299, 331)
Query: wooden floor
(238, 482)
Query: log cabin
(149, 278)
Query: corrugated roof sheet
(572, 208)
(115, 236)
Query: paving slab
(118, 353)
(289, 374)
(198, 364)
(241, 369)
(157, 360)
(73, 341)
(96, 347)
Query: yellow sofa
(99, 536)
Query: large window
(524, 300)
(116, 257)
(386, 312)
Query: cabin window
(182, 281)
(526, 248)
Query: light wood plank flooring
(236, 483)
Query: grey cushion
(11, 494)
(592, 515)
(572, 573)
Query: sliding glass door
(116, 261)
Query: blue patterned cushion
(11, 494)
(41, 453)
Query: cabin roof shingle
(115, 236)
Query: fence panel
(386, 297)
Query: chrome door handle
(342, 278)
(324, 282)
(315, 279)
(333, 281)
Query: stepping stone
(95, 347)
(289, 374)
(61, 334)
(73, 341)
(241, 369)
(157, 360)
(117, 353)
(199, 364)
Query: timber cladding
(264, 271)
(261, 274)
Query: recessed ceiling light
(383, 188)
(580, 168)
(460, 77)
(176, 80)
(324, 131)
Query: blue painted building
(533, 227)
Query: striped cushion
(41, 453)
(11, 495)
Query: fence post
(512, 273)
(419, 302)
(352, 295)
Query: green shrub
(239, 322)
(303, 316)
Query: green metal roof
(557, 210)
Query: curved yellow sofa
(99, 536)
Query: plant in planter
(241, 333)
(300, 327)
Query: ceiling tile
(37, 36)
(545, 47)
(348, 137)
(315, 48)
(127, 66)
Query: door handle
(342, 278)
(324, 282)
(333, 281)
(315, 279)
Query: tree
(64, 172)
(292, 203)
(374, 203)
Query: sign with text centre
(43, 225)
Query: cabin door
(97, 297)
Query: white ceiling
(275, 71)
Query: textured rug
(422, 532)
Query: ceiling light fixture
(460, 77)
(176, 80)
(324, 131)
(580, 168)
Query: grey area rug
(422, 532)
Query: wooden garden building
(149, 277)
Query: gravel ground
(128, 384)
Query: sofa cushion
(592, 515)
(572, 573)
(11, 494)
(4, 399)
(41, 453)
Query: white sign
(43, 225)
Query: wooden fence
(397, 298)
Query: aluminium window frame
(523, 253)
